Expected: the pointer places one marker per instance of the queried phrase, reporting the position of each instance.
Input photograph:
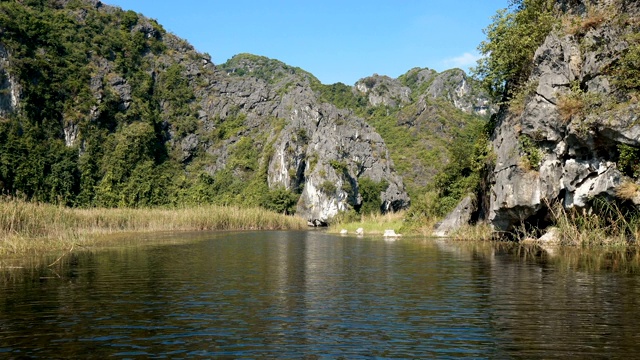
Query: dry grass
(478, 232)
(607, 227)
(570, 106)
(580, 25)
(520, 97)
(30, 227)
(627, 191)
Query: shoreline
(35, 228)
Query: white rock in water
(343, 232)
(360, 231)
(390, 233)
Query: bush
(281, 201)
(627, 71)
(466, 168)
(328, 187)
(532, 154)
(370, 191)
(629, 160)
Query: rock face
(457, 218)
(455, 86)
(383, 90)
(420, 114)
(9, 88)
(320, 151)
(452, 86)
(572, 126)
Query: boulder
(390, 233)
(457, 218)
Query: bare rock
(457, 218)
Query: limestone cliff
(319, 150)
(577, 136)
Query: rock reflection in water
(296, 294)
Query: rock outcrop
(565, 145)
(418, 84)
(457, 218)
(383, 90)
(320, 151)
(9, 87)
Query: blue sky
(336, 40)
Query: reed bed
(477, 232)
(608, 226)
(35, 227)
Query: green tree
(512, 39)
(370, 191)
(281, 200)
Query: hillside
(103, 107)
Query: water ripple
(297, 295)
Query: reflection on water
(308, 294)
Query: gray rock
(10, 90)
(71, 132)
(189, 146)
(383, 90)
(317, 145)
(578, 155)
(457, 218)
(455, 86)
(552, 236)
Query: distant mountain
(103, 107)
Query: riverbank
(36, 228)
(605, 226)
(376, 224)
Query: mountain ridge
(130, 115)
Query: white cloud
(463, 61)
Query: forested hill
(103, 107)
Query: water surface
(314, 295)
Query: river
(316, 295)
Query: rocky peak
(454, 86)
(319, 151)
(383, 90)
(260, 67)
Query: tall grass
(477, 232)
(605, 225)
(26, 227)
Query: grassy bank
(605, 225)
(375, 224)
(31, 227)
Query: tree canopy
(512, 39)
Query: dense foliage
(53, 63)
(512, 39)
(82, 138)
